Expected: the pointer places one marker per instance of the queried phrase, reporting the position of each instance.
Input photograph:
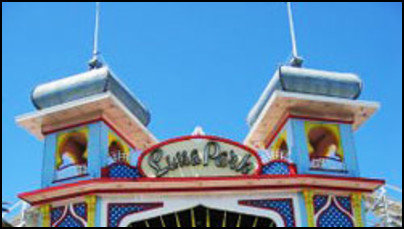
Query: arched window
(325, 149)
(280, 148)
(72, 154)
(118, 150)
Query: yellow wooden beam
(46, 215)
(163, 223)
(177, 218)
(91, 202)
(224, 220)
(239, 221)
(207, 217)
(357, 201)
(193, 217)
(308, 199)
(255, 222)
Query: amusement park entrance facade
(103, 167)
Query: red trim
(212, 138)
(101, 119)
(24, 196)
(293, 169)
(194, 190)
(187, 179)
(260, 177)
(288, 116)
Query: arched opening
(117, 152)
(72, 155)
(324, 143)
(282, 151)
(325, 148)
(205, 217)
(280, 148)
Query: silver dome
(90, 83)
(308, 81)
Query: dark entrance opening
(205, 217)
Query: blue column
(49, 160)
(348, 144)
(94, 149)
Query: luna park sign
(199, 156)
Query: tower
(309, 117)
(87, 122)
(83, 119)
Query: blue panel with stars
(116, 212)
(57, 214)
(64, 217)
(320, 202)
(123, 171)
(283, 207)
(70, 221)
(334, 217)
(346, 203)
(276, 168)
(81, 210)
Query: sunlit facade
(103, 167)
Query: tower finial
(296, 61)
(95, 62)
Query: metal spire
(296, 60)
(95, 62)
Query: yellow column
(308, 199)
(91, 202)
(357, 208)
(46, 215)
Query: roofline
(294, 183)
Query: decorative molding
(333, 211)
(71, 215)
(268, 183)
(334, 215)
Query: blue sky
(200, 64)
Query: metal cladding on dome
(308, 81)
(90, 83)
